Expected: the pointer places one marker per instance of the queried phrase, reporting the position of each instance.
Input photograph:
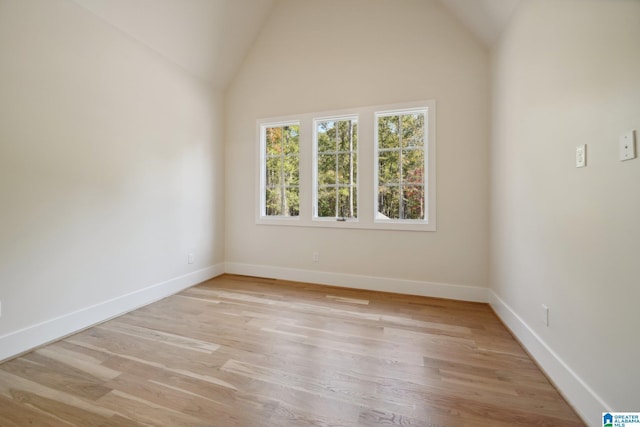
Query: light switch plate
(581, 156)
(544, 312)
(628, 146)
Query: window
(401, 165)
(281, 170)
(336, 168)
(361, 168)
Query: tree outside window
(282, 170)
(401, 166)
(337, 168)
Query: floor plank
(241, 351)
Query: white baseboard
(23, 340)
(584, 400)
(383, 284)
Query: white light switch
(545, 315)
(628, 145)
(581, 156)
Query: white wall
(328, 55)
(567, 72)
(111, 171)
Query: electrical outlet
(316, 257)
(628, 146)
(545, 315)
(190, 258)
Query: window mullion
(282, 183)
(337, 189)
(351, 169)
(401, 169)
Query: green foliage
(401, 167)
(282, 146)
(401, 162)
(337, 168)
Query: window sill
(358, 224)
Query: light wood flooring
(239, 351)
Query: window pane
(388, 202)
(281, 170)
(388, 167)
(347, 168)
(412, 166)
(347, 135)
(274, 170)
(336, 169)
(413, 202)
(355, 135)
(326, 202)
(291, 140)
(401, 166)
(292, 202)
(388, 132)
(276, 205)
(355, 199)
(347, 207)
(327, 169)
(326, 137)
(291, 170)
(273, 202)
(273, 139)
(413, 130)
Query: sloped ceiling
(210, 38)
(485, 18)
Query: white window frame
(367, 160)
(316, 121)
(427, 156)
(263, 167)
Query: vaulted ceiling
(485, 18)
(210, 38)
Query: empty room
(319, 213)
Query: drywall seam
(23, 340)
(577, 392)
(383, 284)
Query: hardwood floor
(238, 351)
